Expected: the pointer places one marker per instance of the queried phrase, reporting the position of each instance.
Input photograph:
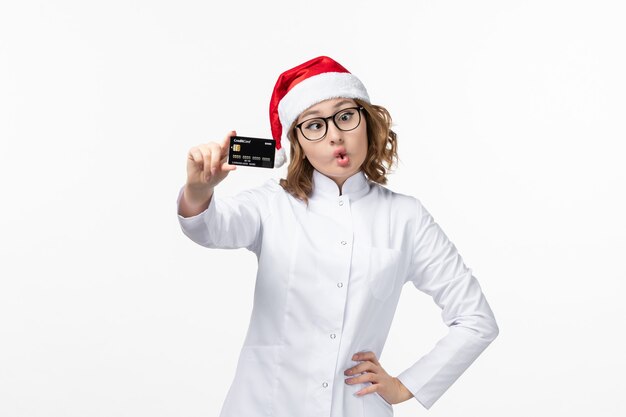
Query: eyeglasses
(345, 119)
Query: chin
(345, 173)
(336, 171)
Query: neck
(339, 183)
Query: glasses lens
(314, 129)
(348, 119)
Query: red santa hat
(300, 87)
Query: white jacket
(327, 286)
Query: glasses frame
(325, 119)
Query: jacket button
(343, 242)
(340, 284)
(341, 203)
(324, 384)
(333, 335)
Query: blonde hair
(382, 153)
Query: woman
(334, 249)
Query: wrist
(405, 393)
(195, 195)
(194, 200)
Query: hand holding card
(206, 163)
(206, 167)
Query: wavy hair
(382, 153)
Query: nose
(333, 133)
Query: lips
(340, 151)
(341, 156)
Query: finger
(355, 380)
(226, 143)
(197, 163)
(206, 156)
(367, 390)
(368, 356)
(215, 159)
(228, 167)
(196, 156)
(364, 367)
(372, 387)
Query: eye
(346, 115)
(313, 125)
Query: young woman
(334, 250)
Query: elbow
(491, 330)
(484, 327)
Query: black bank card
(252, 152)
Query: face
(339, 154)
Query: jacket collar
(354, 187)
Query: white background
(510, 119)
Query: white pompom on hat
(300, 87)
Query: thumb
(226, 142)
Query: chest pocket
(382, 271)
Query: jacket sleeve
(438, 270)
(228, 222)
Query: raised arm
(211, 220)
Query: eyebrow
(312, 112)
